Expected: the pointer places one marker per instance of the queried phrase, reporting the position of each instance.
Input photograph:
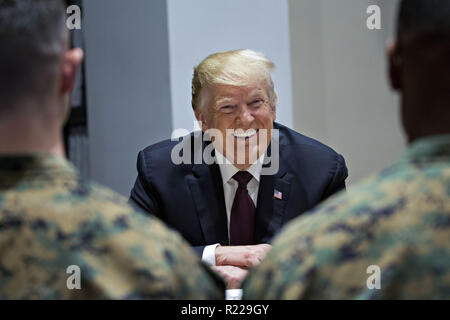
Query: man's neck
(24, 137)
(431, 128)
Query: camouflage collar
(429, 147)
(35, 162)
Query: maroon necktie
(242, 220)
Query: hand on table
(241, 256)
(232, 262)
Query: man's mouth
(241, 134)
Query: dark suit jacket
(190, 197)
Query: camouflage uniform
(51, 219)
(398, 220)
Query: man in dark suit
(231, 187)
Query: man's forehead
(225, 92)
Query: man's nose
(245, 116)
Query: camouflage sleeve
(381, 241)
(166, 266)
(272, 278)
(89, 244)
(289, 271)
(137, 257)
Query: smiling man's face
(244, 118)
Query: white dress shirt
(228, 170)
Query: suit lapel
(207, 193)
(270, 210)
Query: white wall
(341, 91)
(198, 28)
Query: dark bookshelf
(76, 128)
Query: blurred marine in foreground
(388, 237)
(51, 221)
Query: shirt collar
(228, 170)
(35, 163)
(429, 147)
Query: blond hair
(235, 68)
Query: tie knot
(243, 178)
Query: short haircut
(236, 68)
(32, 38)
(424, 19)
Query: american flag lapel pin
(278, 194)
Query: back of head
(420, 67)
(424, 19)
(235, 68)
(32, 38)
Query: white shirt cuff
(209, 254)
(233, 294)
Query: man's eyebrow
(256, 92)
(223, 100)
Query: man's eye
(257, 103)
(226, 109)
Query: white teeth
(241, 134)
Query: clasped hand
(233, 262)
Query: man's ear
(70, 62)
(274, 111)
(395, 65)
